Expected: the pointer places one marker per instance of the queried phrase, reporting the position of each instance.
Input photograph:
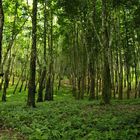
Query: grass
(68, 119)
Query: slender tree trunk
(43, 74)
(1, 31)
(106, 91)
(49, 90)
(136, 78)
(74, 62)
(22, 71)
(6, 80)
(97, 79)
(88, 83)
(117, 75)
(22, 82)
(125, 82)
(79, 88)
(49, 86)
(139, 90)
(59, 82)
(82, 86)
(74, 85)
(13, 79)
(32, 86)
(40, 90)
(112, 74)
(120, 60)
(84, 66)
(121, 77)
(92, 81)
(128, 82)
(100, 84)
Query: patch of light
(30, 2)
(55, 20)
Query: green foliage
(73, 8)
(69, 119)
(74, 42)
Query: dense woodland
(89, 48)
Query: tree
(106, 91)
(50, 80)
(1, 30)
(32, 86)
(43, 72)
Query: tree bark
(43, 74)
(92, 80)
(6, 80)
(22, 71)
(106, 91)
(121, 77)
(32, 86)
(1, 30)
(50, 81)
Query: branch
(12, 41)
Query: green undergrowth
(68, 119)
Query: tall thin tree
(1, 29)
(43, 73)
(31, 86)
(106, 91)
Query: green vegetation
(66, 119)
(70, 69)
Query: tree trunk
(121, 59)
(59, 82)
(112, 74)
(1, 31)
(49, 90)
(13, 79)
(22, 71)
(121, 77)
(97, 80)
(128, 82)
(6, 80)
(40, 90)
(20, 89)
(74, 86)
(116, 75)
(43, 74)
(139, 90)
(50, 82)
(92, 80)
(78, 97)
(106, 91)
(31, 86)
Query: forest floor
(68, 119)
